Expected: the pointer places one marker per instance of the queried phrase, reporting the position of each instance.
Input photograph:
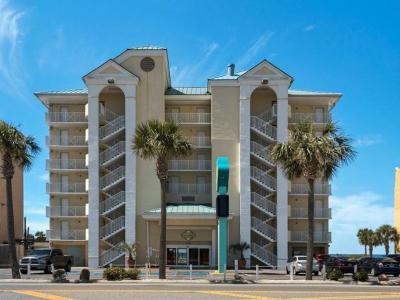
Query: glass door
(171, 256)
(193, 256)
(182, 256)
(204, 257)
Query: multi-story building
(102, 194)
(18, 204)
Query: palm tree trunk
(310, 238)
(365, 249)
(371, 249)
(11, 231)
(163, 232)
(387, 248)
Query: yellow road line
(233, 294)
(40, 295)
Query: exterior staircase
(264, 255)
(263, 204)
(263, 229)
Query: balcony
(67, 211)
(66, 165)
(302, 189)
(189, 165)
(316, 118)
(66, 142)
(189, 118)
(189, 188)
(302, 213)
(64, 119)
(301, 236)
(67, 188)
(200, 141)
(67, 235)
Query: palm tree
(373, 241)
(362, 235)
(40, 236)
(385, 235)
(16, 150)
(160, 141)
(311, 156)
(395, 240)
(131, 251)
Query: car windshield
(40, 252)
(301, 257)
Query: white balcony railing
(114, 151)
(189, 118)
(301, 236)
(112, 127)
(66, 164)
(189, 165)
(76, 187)
(302, 189)
(189, 188)
(66, 211)
(112, 227)
(65, 117)
(112, 202)
(115, 176)
(302, 212)
(200, 141)
(67, 235)
(262, 177)
(262, 126)
(55, 140)
(310, 117)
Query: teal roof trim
(185, 210)
(187, 91)
(66, 92)
(149, 47)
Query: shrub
(84, 275)
(360, 276)
(132, 274)
(383, 277)
(59, 276)
(113, 273)
(335, 275)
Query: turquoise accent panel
(222, 174)
(222, 244)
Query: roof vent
(231, 70)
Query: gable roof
(110, 62)
(187, 91)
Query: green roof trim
(185, 210)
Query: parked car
(321, 260)
(42, 259)
(298, 265)
(379, 265)
(341, 263)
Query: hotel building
(101, 194)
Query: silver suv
(298, 265)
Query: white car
(298, 265)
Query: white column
(213, 247)
(93, 193)
(282, 183)
(245, 221)
(130, 164)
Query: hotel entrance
(188, 255)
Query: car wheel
(47, 269)
(68, 267)
(24, 271)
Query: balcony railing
(55, 140)
(66, 164)
(200, 141)
(189, 165)
(189, 118)
(189, 188)
(310, 117)
(67, 235)
(301, 236)
(302, 212)
(66, 211)
(66, 117)
(77, 187)
(302, 189)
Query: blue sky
(340, 46)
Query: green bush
(335, 275)
(360, 276)
(84, 275)
(132, 274)
(114, 273)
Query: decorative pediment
(110, 70)
(265, 70)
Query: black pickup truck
(42, 259)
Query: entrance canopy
(182, 212)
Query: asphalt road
(194, 291)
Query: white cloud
(367, 141)
(352, 212)
(37, 226)
(12, 78)
(310, 27)
(189, 72)
(252, 52)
